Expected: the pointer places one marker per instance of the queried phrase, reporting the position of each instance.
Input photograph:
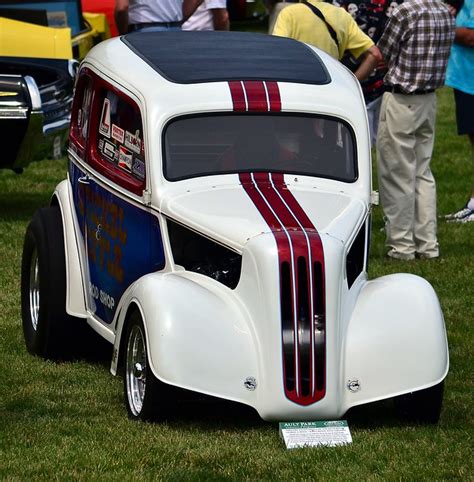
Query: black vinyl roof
(196, 57)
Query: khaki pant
(373, 114)
(406, 184)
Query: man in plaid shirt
(416, 45)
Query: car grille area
(302, 286)
(303, 323)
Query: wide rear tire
(48, 330)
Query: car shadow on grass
(208, 413)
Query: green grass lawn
(68, 420)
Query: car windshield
(231, 143)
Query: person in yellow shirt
(331, 29)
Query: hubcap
(34, 290)
(135, 370)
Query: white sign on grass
(314, 434)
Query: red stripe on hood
(297, 242)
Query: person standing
(210, 15)
(415, 44)
(152, 15)
(371, 16)
(331, 29)
(460, 76)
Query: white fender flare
(199, 338)
(395, 341)
(73, 249)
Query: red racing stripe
(258, 188)
(256, 96)
(301, 261)
(298, 248)
(317, 256)
(307, 248)
(273, 96)
(238, 96)
(250, 188)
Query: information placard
(313, 434)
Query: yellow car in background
(40, 46)
(53, 29)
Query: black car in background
(35, 105)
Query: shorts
(464, 112)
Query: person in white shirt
(152, 15)
(210, 15)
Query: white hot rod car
(214, 228)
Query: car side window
(120, 135)
(116, 148)
(81, 111)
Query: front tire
(423, 406)
(47, 328)
(146, 397)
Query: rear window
(231, 143)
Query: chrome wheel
(135, 370)
(34, 290)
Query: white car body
(371, 340)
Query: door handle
(84, 179)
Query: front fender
(395, 341)
(198, 335)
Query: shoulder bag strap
(320, 15)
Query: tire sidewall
(154, 389)
(45, 234)
(36, 340)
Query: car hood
(228, 215)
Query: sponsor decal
(104, 126)
(133, 142)
(125, 159)
(106, 236)
(138, 168)
(108, 150)
(107, 300)
(118, 133)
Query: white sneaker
(466, 219)
(465, 211)
(402, 256)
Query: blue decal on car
(123, 242)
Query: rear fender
(73, 249)
(199, 337)
(395, 341)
